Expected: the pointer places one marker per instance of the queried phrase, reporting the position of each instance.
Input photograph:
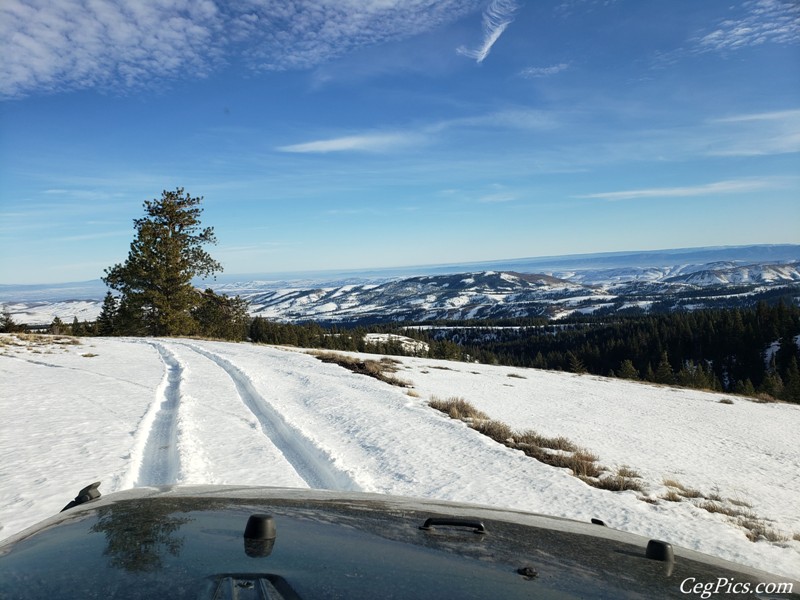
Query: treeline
(211, 315)
(207, 315)
(353, 339)
(749, 351)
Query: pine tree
(575, 364)
(77, 328)
(791, 390)
(220, 316)
(7, 324)
(166, 254)
(664, 373)
(57, 327)
(107, 320)
(627, 370)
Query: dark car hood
(188, 542)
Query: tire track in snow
(310, 462)
(160, 462)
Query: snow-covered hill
(133, 412)
(561, 287)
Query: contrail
(497, 16)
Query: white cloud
(733, 186)
(757, 134)
(497, 16)
(355, 143)
(778, 115)
(511, 118)
(534, 72)
(383, 142)
(776, 21)
(56, 45)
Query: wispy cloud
(733, 186)
(757, 134)
(372, 142)
(510, 118)
(497, 16)
(515, 118)
(776, 21)
(535, 72)
(55, 45)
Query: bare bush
(457, 408)
(533, 438)
(757, 530)
(497, 430)
(684, 491)
(616, 483)
(371, 368)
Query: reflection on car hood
(190, 542)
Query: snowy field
(139, 412)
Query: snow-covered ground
(135, 412)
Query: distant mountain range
(553, 287)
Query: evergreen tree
(57, 327)
(166, 254)
(221, 316)
(575, 364)
(7, 324)
(107, 320)
(791, 389)
(77, 328)
(772, 385)
(664, 373)
(627, 370)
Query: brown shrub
(758, 530)
(371, 368)
(672, 496)
(497, 430)
(533, 438)
(457, 408)
(616, 483)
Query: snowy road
(311, 465)
(160, 464)
(133, 412)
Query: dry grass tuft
(457, 408)
(691, 493)
(372, 368)
(718, 508)
(672, 496)
(684, 491)
(616, 483)
(497, 430)
(532, 438)
(626, 471)
(757, 530)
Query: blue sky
(377, 133)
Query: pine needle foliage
(167, 252)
